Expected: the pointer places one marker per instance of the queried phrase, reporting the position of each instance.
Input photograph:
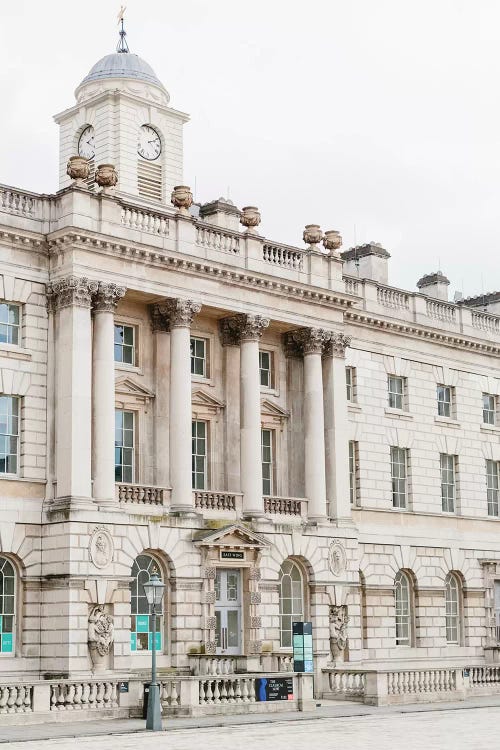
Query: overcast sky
(379, 118)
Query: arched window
(7, 606)
(404, 614)
(141, 636)
(291, 600)
(452, 607)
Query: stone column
(160, 325)
(247, 330)
(72, 299)
(180, 314)
(105, 301)
(336, 427)
(310, 342)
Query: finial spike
(122, 45)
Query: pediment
(205, 401)
(234, 536)
(273, 411)
(133, 391)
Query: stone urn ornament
(100, 637)
(312, 235)
(78, 169)
(332, 241)
(106, 176)
(182, 199)
(250, 218)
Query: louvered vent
(149, 180)
(90, 181)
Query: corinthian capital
(242, 327)
(72, 290)
(305, 341)
(336, 345)
(107, 296)
(175, 313)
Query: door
(228, 611)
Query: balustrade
(346, 683)
(21, 204)
(486, 322)
(170, 693)
(142, 494)
(213, 665)
(16, 699)
(484, 676)
(145, 221)
(394, 298)
(351, 285)
(283, 506)
(205, 500)
(414, 682)
(79, 696)
(283, 256)
(218, 239)
(441, 311)
(236, 690)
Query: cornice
(25, 241)
(366, 320)
(59, 243)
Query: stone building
(278, 431)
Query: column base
(186, 511)
(316, 520)
(253, 515)
(71, 502)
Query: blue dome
(123, 65)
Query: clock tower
(123, 116)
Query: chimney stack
(434, 285)
(368, 261)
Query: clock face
(149, 144)
(86, 147)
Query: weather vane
(122, 43)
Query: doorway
(228, 611)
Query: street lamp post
(154, 590)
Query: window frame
(205, 359)
(443, 404)
(11, 652)
(492, 411)
(446, 484)
(271, 370)
(353, 473)
(18, 327)
(351, 389)
(122, 346)
(271, 463)
(161, 618)
(493, 498)
(286, 567)
(8, 436)
(122, 446)
(457, 606)
(396, 492)
(394, 396)
(195, 473)
(404, 619)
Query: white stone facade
(78, 263)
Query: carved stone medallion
(337, 559)
(101, 547)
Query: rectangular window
(266, 369)
(199, 455)
(267, 462)
(353, 471)
(489, 408)
(125, 344)
(497, 610)
(199, 357)
(492, 487)
(124, 446)
(350, 381)
(448, 483)
(444, 400)
(9, 434)
(396, 389)
(10, 323)
(399, 476)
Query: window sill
(128, 368)
(269, 391)
(201, 379)
(447, 421)
(492, 429)
(353, 406)
(11, 351)
(397, 413)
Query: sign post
(302, 647)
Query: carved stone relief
(339, 620)
(100, 637)
(101, 547)
(337, 559)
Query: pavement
(399, 725)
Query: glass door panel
(228, 611)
